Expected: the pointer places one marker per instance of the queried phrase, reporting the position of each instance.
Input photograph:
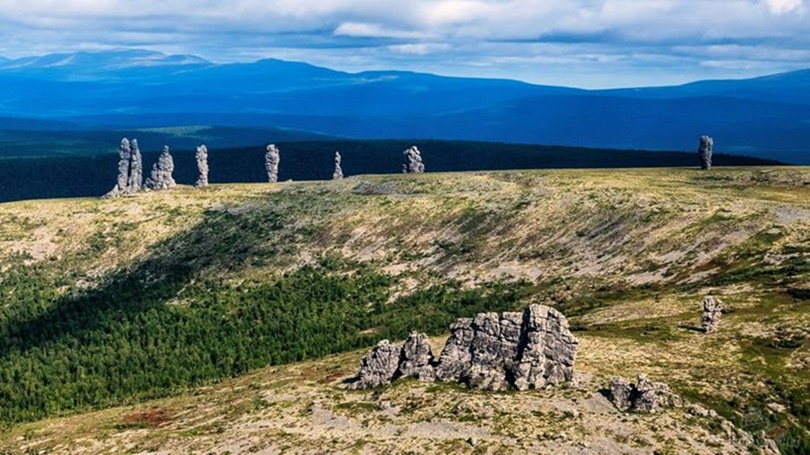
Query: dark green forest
(83, 176)
(172, 321)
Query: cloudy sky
(584, 43)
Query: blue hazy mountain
(765, 116)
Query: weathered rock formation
(705, 150)
(412, 161)
(130, 169)
(416, 359)
(644, 396)
(271, 160)
(493, 351)
(712, 309)
(161, 176)
(202, 166)
(338, 174)
(124, 156)
(490, 351)
(388, 362)
(135, 180)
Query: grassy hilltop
(107, 303)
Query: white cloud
(364, 30)
(525, 38)
(419, 48)
(784, 6)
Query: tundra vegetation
(226, 320)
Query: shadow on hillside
(692, 328)
(222, 242)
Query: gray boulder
(620, 393)
(412, 161)
(379, 366)
(416, 359)
(161, 176)
(388, 362)
(645, 396)
(705, 150)
(338, 174)
(202, 166)
(712, 310)
(271, 160)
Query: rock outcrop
(644, 396)
(271, 160)
(412, 161)
(161, 176)
(416, 359)
(705, 150)
(493, 352)
(490, 351)
(202, 166)
(388, 362)
(338, 174)
(712, 309)
(130, 169)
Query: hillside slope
(109, 302)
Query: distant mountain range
(767, 117)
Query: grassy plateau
(224, 319)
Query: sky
(579, 43)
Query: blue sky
(584, 43)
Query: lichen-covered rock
(412, 161)
(479, 349)
(161, 176)
(271, 160)
(651, 396)
(388, 362)
(712, 309)
(202, 166)
(130, 169)
(416, 358)
(338, 174)
(620, 393)
(705, 150)
(547, 349)
(645, 396)
(379, 366)
(493, 351)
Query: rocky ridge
(491, 351)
